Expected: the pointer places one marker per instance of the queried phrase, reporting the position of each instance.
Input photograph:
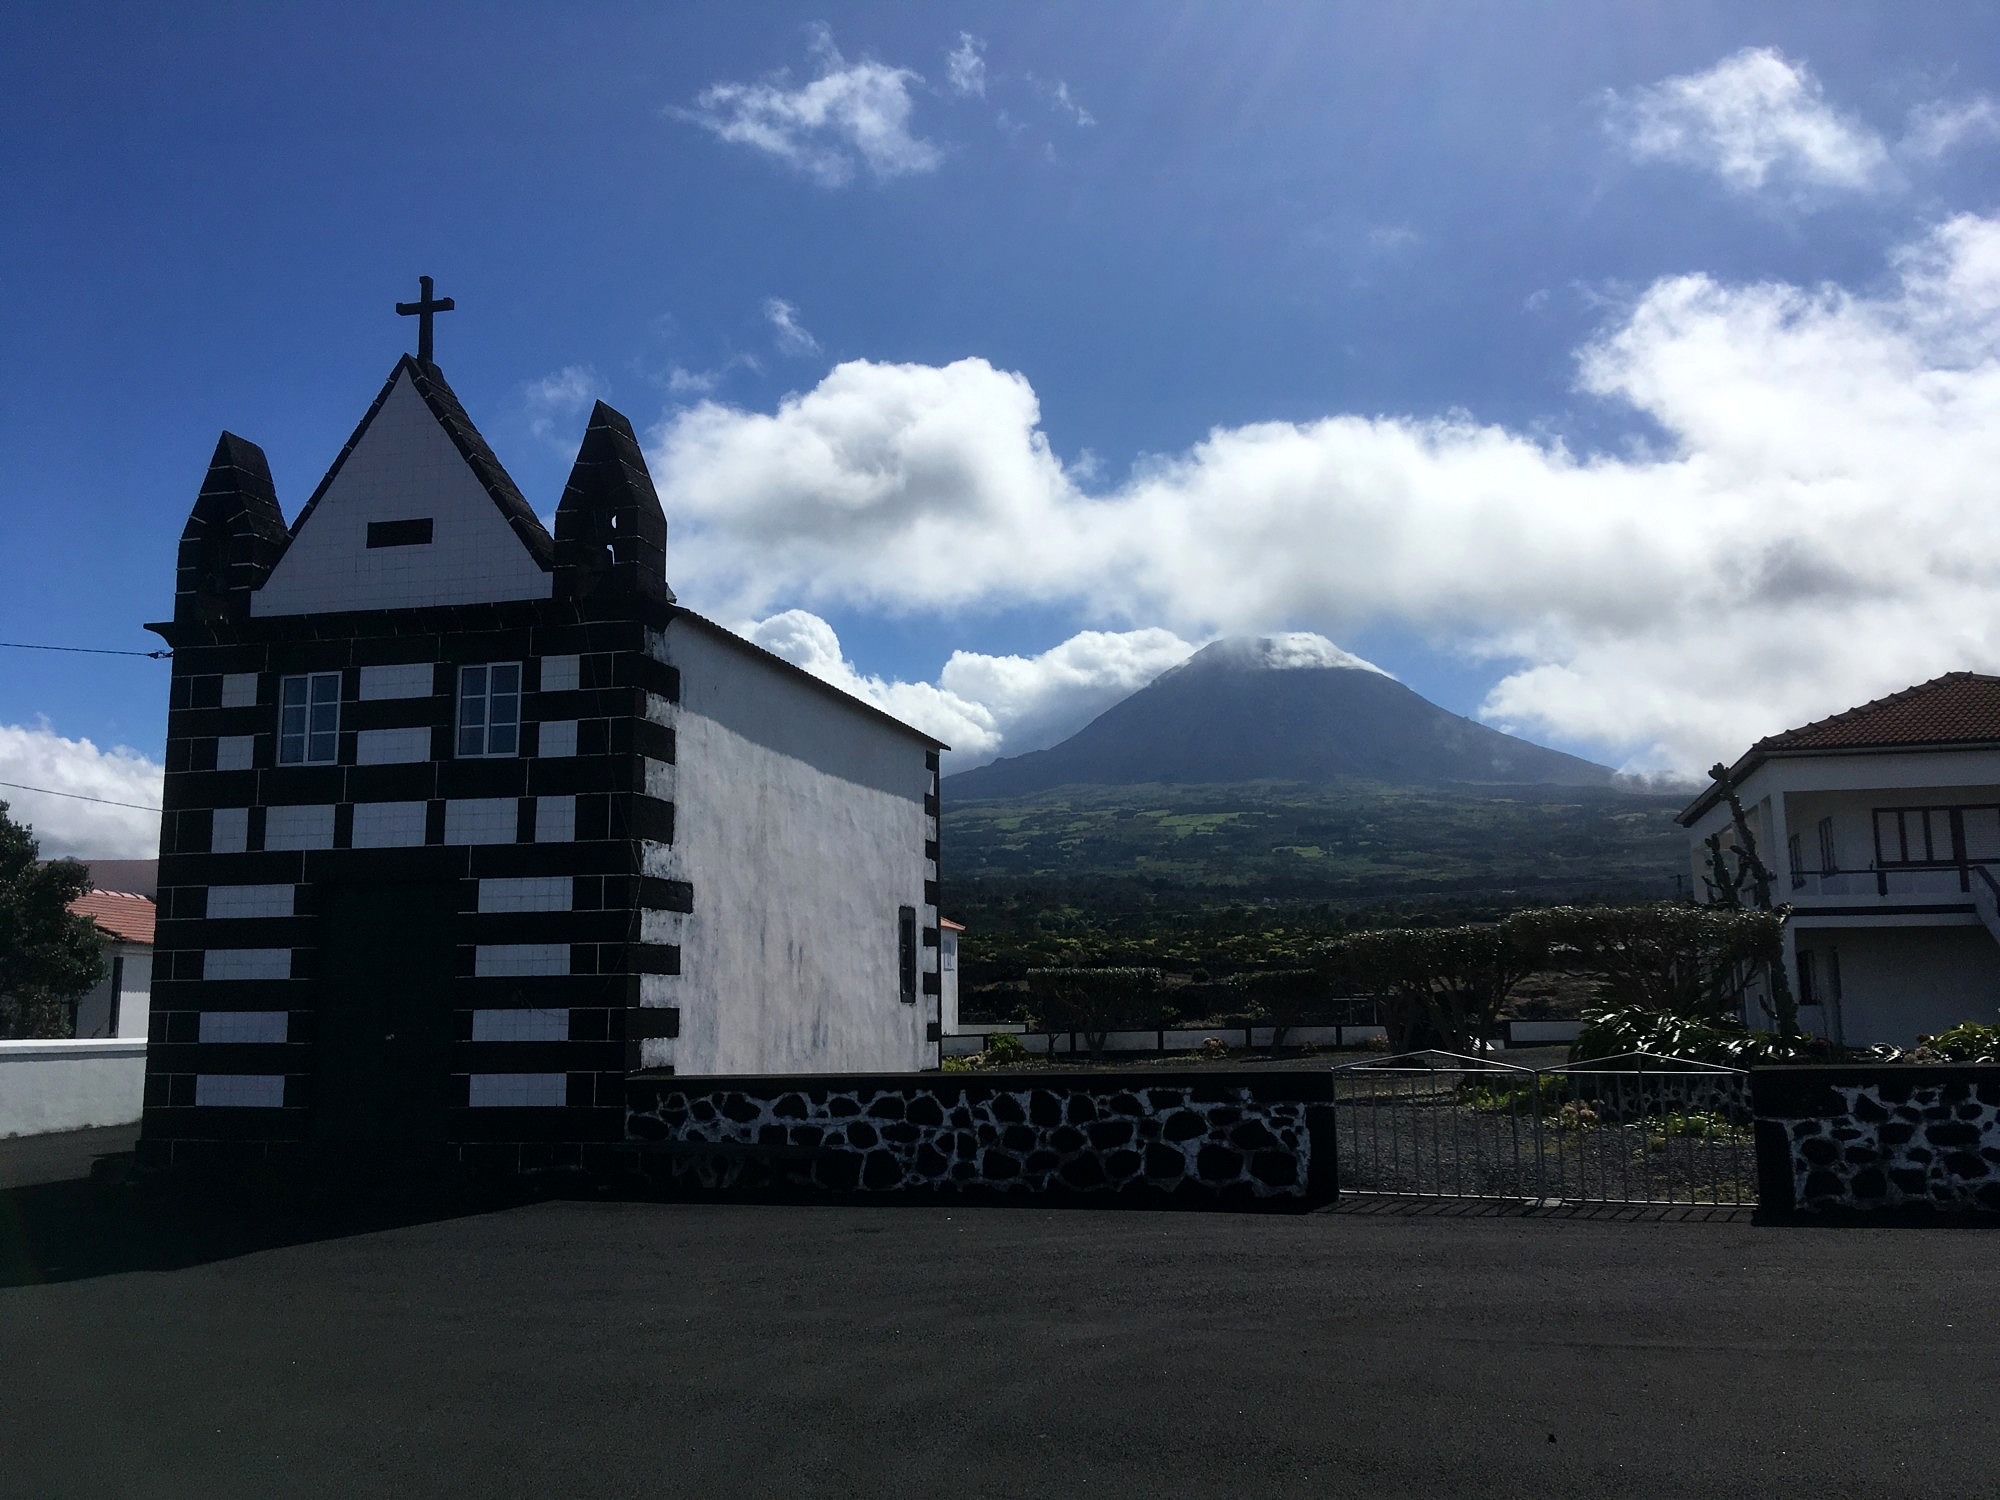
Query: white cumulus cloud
(1759, 121)
(792, 336)
(965, 65)
(556, 401)
(36, 756)
(1940, 126)
(1809, 526)
(849, 117)
(1754, 116)
(982, 705)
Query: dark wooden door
(384, 1026)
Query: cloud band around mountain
(1811, 527)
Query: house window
(1794, 857)
(1808, 979)
(309, 720)
(1827, 863)
(906, 952)
(489, 709)
(1832, 986)
(1914, 836)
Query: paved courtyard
(634, 1349)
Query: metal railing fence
(1630, 1129)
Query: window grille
(489, 709)
(309, 720)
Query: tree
(1281, 998)
(49, 957)
(1693, 962)
(1726, 890)
(1090, 1001)
(1444, 986)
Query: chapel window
(309, 720)
(906, 952)
(489, 709)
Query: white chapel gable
(363, 545)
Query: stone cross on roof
(422, 309)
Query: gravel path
(1418, 1134)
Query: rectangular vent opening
(399, 533)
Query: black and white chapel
(468, 823)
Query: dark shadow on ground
(72, 1208)
(1383, 1206)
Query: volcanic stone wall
(1871, 1139)
(1207, 1139)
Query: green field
(1360, 841)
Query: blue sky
(1490, 342)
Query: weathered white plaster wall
(800, 822)
(134, 979)
(405, 467)
(1898, 983)
(49, 1086)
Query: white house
(117, 1006)
(948, 935)
(1882, 828)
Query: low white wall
(1530, 1033)
(1174, 1039)
(61, 1085)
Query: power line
(49, 791)
(91, 650)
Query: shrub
(1505, 1093)
(1090, 1001)
(1575, 1115)
(1441, 986)
(1673, 959)
(957, 1064)
(1691, 1124)
(1004, 1050)
(1968, 1041)
(1612, 1033)
(1278, 998)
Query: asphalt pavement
(607, 1348)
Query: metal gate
(1630, 1129)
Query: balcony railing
(1895, 881)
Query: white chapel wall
(800, 823)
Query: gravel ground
(1405, 1133)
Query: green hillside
(1353, 841)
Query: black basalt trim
(409, 781)
(501, 776)
(612, 926)
(652, 1022)
(233, 994)
(537, 1057)
(228, 1057)
(396, 713)
(665, 895)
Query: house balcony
(1926, 895)
(1897, 885)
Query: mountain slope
(1258, 709)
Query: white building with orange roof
(1881, 826)
(118, 1006)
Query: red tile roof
(1959, 708)
(1954, 709)
(118, 914)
